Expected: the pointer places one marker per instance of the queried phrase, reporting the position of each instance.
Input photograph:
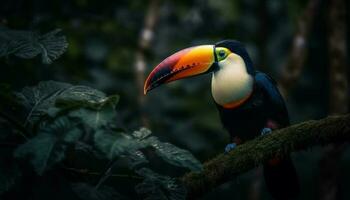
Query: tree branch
(281, 142)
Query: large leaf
(142, 133)
(49, 145)
(88, 192)
(174, 155)
(39, 100)
(136, 158)
(169, 152)
(94, 114)
(114, 144)
(159, 187)
(28, 44)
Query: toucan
(248, 101)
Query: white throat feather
(231, 82)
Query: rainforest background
(75, 124)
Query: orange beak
(185, 63)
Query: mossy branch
(281, 142)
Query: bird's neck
(231, 85)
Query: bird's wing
(275, 100)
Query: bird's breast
(231, 84)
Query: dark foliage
(57, 122)
(28, 44)
(96, 143)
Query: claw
(265, 131)
(230, 147)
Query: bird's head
(198, 60)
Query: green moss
(252, 153)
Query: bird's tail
(281, 178)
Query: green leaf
(142, 133)
(174, 155)
(74, 101)
(115, 144)
(94, 114)
(48, 147)
(28, 44)
(88, 192)
(87, 148)
(39, 100)
(136, 159)
(94, 119)
(159, 187)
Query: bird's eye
(222, 53)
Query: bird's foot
(265, 131)
(230, 147)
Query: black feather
(247, 121)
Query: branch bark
(281, 142)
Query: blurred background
(113, 45)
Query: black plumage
(247, 121)
(263, 107)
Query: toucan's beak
(185, 63)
